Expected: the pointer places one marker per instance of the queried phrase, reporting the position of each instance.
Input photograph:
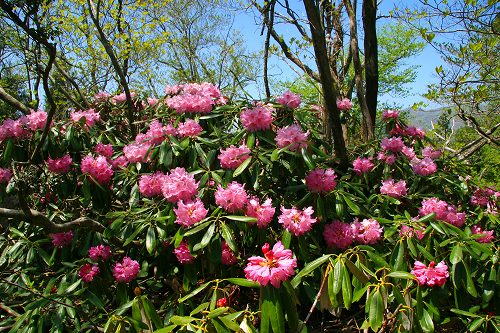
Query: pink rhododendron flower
(91, 117)
(104, 150)
(61, 239)
(390, 114)
(264, 213)
(444, 211)
(151, 185)
(152, 101)
(414, 132)
(487, 234)
(389, 159)
(486, 197)
(362, 165)
(232, 157)
(228, 257)
(289, 99)
(189, 128)
(100, 252)
(120, 162)
(87, 272)
(194, 98)
(233, 198)
(344, 104)
(338, 235)
(434, 275)
(408, 152)
(179, 185)
(276, 266)
(101, 96)
(291, 137)
(137, 152)
(37, 120)
(183, 254)
(423, 167)
(157, 133)
(394, 144)
(298, 222)
(190, 213)
(121, 98)
(126, 271)
(393, 189)
(367, 231)
(14, 128)
(410, 232)
(99, 169)
(5, 175)
(321, 180)
(258, 118)
(431, 153)
(60, 165)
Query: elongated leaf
(346, 288)
(243, 282)
(376, 314)
(228, 236)
(456, 254)
(337, 276)
(197, 228)
(151, 240)
(275, 308)
(242, 167)
(241, 218)
(150, 311)
(194, 292)
(401, 275)
(206, 238)
(356, 271)
(181, 320)
(465, 313)
(308, 269)
(307, 158)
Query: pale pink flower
(408, 152)
(14, 128)
(151, 185)
(367, 231)
(157, 133)
(258, 118)
(233, 198)
(394, 144)
(173, 90)
(61, 239)
(101, 96)
(183, 254)
(277, 266)
(431, 153)
(189, 128)
(37, 120)
(434, 275)
(410, 232)
(137, 152)
(390, 114)
(362, 165)
(289, 99)
(444, 211)
(389, 159)
(100, 252)
(321, 180)
(228, 257)
(291, 137)
(179, 185)
(190, 213)
(298, 222)
(87, 272)
(487, 235)
(152, 101)
(423, 167)
(5, 175)
(264, 213)
(91, 117)
(126, 271)
(104, 150)
(414, 132)
(99, 169)
(121, 98)
(194, 98)
(393, 189)
(232, 157)
(344, 104)
(60, 165)
(338, 235)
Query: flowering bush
(102, 231)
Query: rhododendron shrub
(240, 201)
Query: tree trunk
(369, 14)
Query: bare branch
(12, 101)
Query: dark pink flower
(126, 271)
(433, 275)
(189, 128)
(228, 257)
(367, 231)
(37, 120)
(190, 213)
(179, 185)
(60, 165)
(394, 144)
(232, 157)
(291, 137)
(258, 118)
(104, 150)
(5, 175)
(362, 165)
(393, 189)
(321, 180)
(232, 198)
(61, 239)
(100, 252)
(338, 235)
(390, 114)
(423, 167)
(410, 232)
(264, 213)
(151, 185)
(487, 235)
(183, 254)
(90, 116)
(289, 99)
(431, 153)
(298, 222)
(87, 272)
(344, 104)
(99, 169)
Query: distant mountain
(425, 118)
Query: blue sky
(428, 60)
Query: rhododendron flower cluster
(389, 159)
(91, 117)
(189, 213)
(486, 197)
(338, 234)
(232, 198)
(232, 157)
(104, 150)
(276, 266)
(408, 152)
(87, 272)
(289, 99)
(102, 96)
(431, 153)
(262, 212)
(138, 151)
(414, 132)
(321, 180)
(119, 163)
(344, 104)
(151, 185)
(227, 257)
(179, 185)
(394, 144)
(60, 165)
(98, 168)
(393, 189)
(367, 231)
(292, 137)
(362, 165)
(444, 211)
(61, 239)
(100, 252)
(195, 98)
(410, 232)
(183, 254)
(423, 167)
(189, 128)
(121, 98)
(390, 114)
(5, 175)
(14, 128)
(487, 235)
(296, 221)
(432, 275)
(37, 120)
(258, 118)
(152, 101)
(126, 271)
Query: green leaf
(286, 238)
(241, 218)
(181, 320)
(307, 158)
(476, 324)
(217, 312)
(167, 329)
(228, 236)
(456, 254)
(242, 167)
(376, 313)
(206, 238)
(230, 324)
(337, 276)
(151, 240)
(197, 228)
(352, 205)
(356, 271)
(426, 322)
(243, 282)
(359, 293)
(92, 298)
(7, 153)
(150, 311)
(465, 313)
(401, 275)
(398, 257)
(272, 304)
(471, 289)
(195, 292)
(346, 288)
(308, 269)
